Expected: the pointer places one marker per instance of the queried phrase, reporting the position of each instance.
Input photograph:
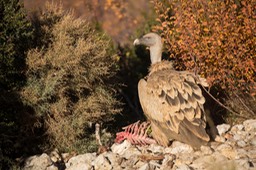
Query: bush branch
(222, 105)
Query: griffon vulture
(171, 100)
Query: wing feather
(172, 92)
(189, 113)
(182, 101)
(199, 98)
(198, 113)
(192, 101)
(173, 123)
(174, 103)
(188, 88)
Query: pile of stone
(234, 148)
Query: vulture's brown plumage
(171, 100)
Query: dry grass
(70, 78)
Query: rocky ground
(234, 149)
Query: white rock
(223, 128)
(67, 156)
(241, 143)
(243, 163)
(131, 152)
(206, 150)
(204, 162)
(220, 139)
(80, 161)
(227, 151)
(37, 162)
(224, 146)
(242, 132)
(101, 163)
(55, 156)
(252, 153)
(237, 137)
(250, 125)
(113, 158)
(184, 158)
(224, 165)
(178, 147)
(153, 164)
(52, 167)
(131, 163)
(214, 145)
(168, 162)
(155, 148)
(253, 141)
(144, 167)
(121, 148)
(182, 167)
(231, 142)
(138, 164)
(238, 127)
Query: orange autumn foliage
(214, 38)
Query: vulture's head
(154, 42)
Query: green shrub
(71, 78)
(15, 37)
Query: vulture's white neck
(156, 53)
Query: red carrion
(135, 133)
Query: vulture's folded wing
(174, 102)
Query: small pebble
(223, 128)
(241, 143)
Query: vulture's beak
(136, 42)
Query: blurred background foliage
(66, 66)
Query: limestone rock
(241, 143)
(220, 139)
(227, 151)
(223, 128)
(253, 141)
(144, 167)
(183, 167)
(206, 150)
(205, 162)
(120, 148)
(237, 127)
(154, 148)
(168, 162)
(40, 162)
(52, 167)
(81, 161)
(179, 147)
(250, 125)
(113, 158)
(101, 163)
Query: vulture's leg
(213, 132)
(158, 135)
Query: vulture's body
(172, 100)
